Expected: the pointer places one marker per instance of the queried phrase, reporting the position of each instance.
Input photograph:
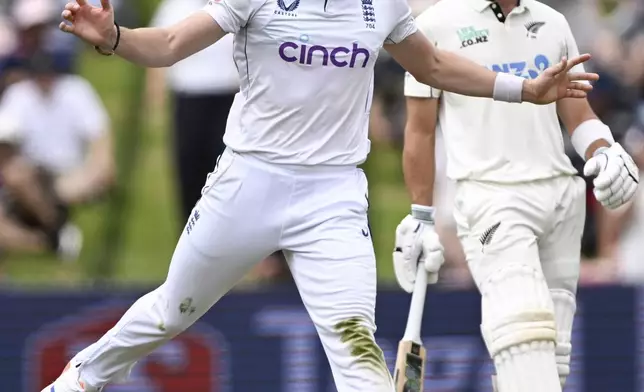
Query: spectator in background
(8, 43)
(64, 46)
(622, 230)
(30, 20)
(594, 22)
(50, 160)
(626, 225)
(33, 24)
(203, 88)
(601, 27)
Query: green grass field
(149, 227)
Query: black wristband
(116, 44)
(118, 37)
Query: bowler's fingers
(577, 60)
(587, 76)
(575, 94)
(68, 15)
(557, 69)
(68, 28)
(72, 6)
(587, 87)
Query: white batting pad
(519, 329)
(565, 307)
(517, 308)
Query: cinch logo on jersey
(520, 68)
(470, 36)
(292, 52)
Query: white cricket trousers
(248, 210)
(508, 229)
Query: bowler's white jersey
(306, 74)
(495, 141)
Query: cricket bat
(409, 374)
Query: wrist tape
(588, 133)
(508, 88)
(422, 213)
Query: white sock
(529, 367)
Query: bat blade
(409, 374)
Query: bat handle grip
(414, 321)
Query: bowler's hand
(92, 24)
(556, 82)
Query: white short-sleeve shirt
(53, 130)
(306, 74)
(496, 141)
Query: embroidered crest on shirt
(288, 10)
(533, 29)
(369, 14)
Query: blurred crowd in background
(57, 151)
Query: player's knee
(565, 307)
(517, 310)
(172, 318)
(173, 326)
(366, 367)
(355, 334)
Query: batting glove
(616, 176)
(416, 243)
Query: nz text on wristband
(116, 44)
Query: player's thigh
(333, 264)
(495, 229)
(330, 251)
(499, 238)
(234, 217)
(560, 248)
(336, 283)
(196, 281)
(223, 239)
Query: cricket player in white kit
(289, 178)
(519, 207)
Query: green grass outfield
(149, 226)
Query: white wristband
(589, 132)
(508, 88)
(424, 214)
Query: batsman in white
(519, 206)
(289, 178)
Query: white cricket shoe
(69, 381)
